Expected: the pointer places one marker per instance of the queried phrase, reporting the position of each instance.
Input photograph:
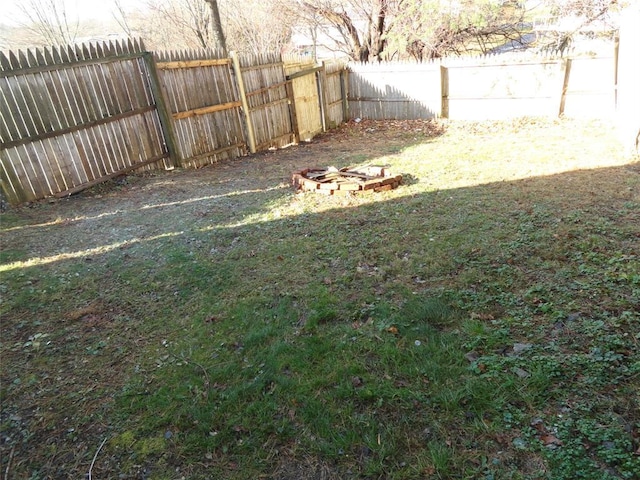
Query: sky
(82, 9)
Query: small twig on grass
(204, 370)
(96, 456)
(6, 471)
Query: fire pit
(333, 181)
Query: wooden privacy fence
(319, 94)
(484, 88)
(75, 116)
(398, 90)
(203, 105)
(70, 117)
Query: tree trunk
(364, 43)
(216, 24)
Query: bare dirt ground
(134, 207)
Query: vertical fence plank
(292, 109)
(323, 90)
(159, 97)
(344, 91)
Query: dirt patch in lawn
(141, 206)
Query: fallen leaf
(538, 424)
(393, 330)
(549, 439)
(471, 356)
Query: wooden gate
(304, 85)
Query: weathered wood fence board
(304, 84)
(265, 83)
(335, 91)
(75, 116)
(204, 106)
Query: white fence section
(484, 88)
(398, 91)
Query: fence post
(565, 85)
(251, 138)
(322, 90)
(444, 88)
(344, 91)
(292, 110)
(616, 60)
(164, 114)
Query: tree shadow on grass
(527, 247)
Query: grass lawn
(482, 321)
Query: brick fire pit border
(333, 181)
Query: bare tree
(588, 9)
(49, 22)
(180, 23)
(357, 26)
(250, 27)
(380, 29)
(244, 25)
(434, 29)
(121, 16)
(586, 13)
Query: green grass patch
(481, 321)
